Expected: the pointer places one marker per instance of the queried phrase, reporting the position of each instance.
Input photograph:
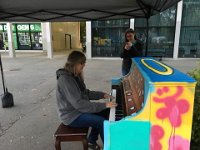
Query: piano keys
(113, 109)
(155, 107)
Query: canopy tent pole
(147, 37)
(2, 75)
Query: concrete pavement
(31, 78)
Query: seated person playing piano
(73, 99)
(132, 48)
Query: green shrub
(195, 139)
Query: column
(88, 39)
(178, 29)
(44, 37)
(49, 45)
(10, 40)
(132, 23)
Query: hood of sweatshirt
(61, 72)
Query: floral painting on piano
(172, 117)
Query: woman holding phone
(132, 48)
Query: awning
(79, 10)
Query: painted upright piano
(155, 107)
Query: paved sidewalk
(31, 78)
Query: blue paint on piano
(131, 135)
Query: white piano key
(113, 109)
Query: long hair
(73, 59)
(130, 31)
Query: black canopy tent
(80, 10)
(76, 10)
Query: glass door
(36, 38)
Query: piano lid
(157, 71)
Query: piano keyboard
(116, 113)
(113, 109)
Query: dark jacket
(73, 98)
(135, 51)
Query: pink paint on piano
(178, 143)
(174, 107)
(163, 90)
(157, 134)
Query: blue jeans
(92, 120)
(126, 65)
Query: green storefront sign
(23, 27)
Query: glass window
(108, 37)
(24, 41)
(1, 41)
(161, 32)
(36, 36)
(189, 44)
(3, 37)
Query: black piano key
(119, 111)
(119, 114)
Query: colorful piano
(155, 108)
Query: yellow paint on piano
(168, 71)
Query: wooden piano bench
(65, 133)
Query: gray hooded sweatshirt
(73, 98)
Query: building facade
(174, 33)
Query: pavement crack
(48, 95)
(10, 124)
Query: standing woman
(132, 48)
(73, 99)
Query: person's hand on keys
(108, 96)
(111, 104)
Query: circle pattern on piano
(167, 69)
